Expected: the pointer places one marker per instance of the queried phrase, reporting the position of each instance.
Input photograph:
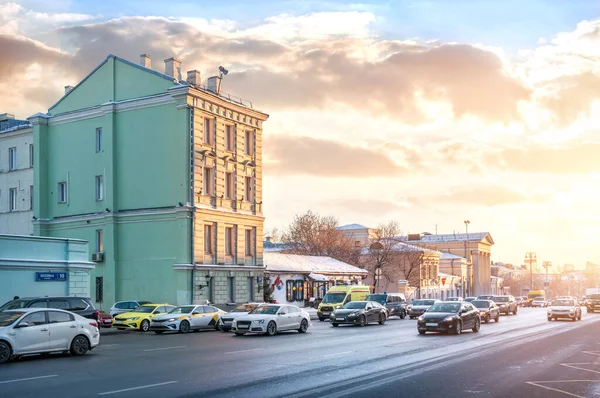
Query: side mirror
(195, 313)
(22, 325)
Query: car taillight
(94, 324)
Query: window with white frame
(249, 243)
(208, 181)
(229, 241)
(249, 190)
(99, 139)
(99, 241)
(12, 199)
(229, 187)
(208, 239)
(62, 193)
(12, 158)
(249, 142)
(208, 131)
(31, 155)
(99, 188)
(229, 138)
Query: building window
(249, 142)
(12, 199)
(229, 185)
(99, 289)
(208, 181)
(99, 241)
(62, 192)
(30, 155)
(289, 290)
(31, 197)
(99, 188)
(249, 243)
(231, 289)
(249, 190)
(208, 235)
(12, 159)
(299, 292)
(229, 139)
(229, 241)
(208, 131)
(99, 139)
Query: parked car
(186, 318)
(226, 321)
(519, 300)
(507, 304)
(470, 299)
(593, 303)
(394, 302)
(538, 302)
(42, 330)
(105, 320)
(454, 299)
(271, 319)
(359, 313)
(564, 308)
(140, 317)
(486, 297)
(81, 306)
(488, 310)
(339, 295)
(121, 307)
(418, 307)
(449, 317)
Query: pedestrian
(16, 298)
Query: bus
(533, 294)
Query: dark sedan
(449, 317)
(487, 309)
(359, 313)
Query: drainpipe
(191, 199)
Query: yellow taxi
(140, 317)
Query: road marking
(591, 352)
(164, 348)
(336, 354)
(554, 389)
(137, 388)
(27, 379)
(570, 365)
(237, 352)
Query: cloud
(302, 155)
(483, 194)
(573, 97)
(364, 207)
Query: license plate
(108, 321)
(339, 319)
(325, 313)
(431, 324)
(118, 323)
(243, 327)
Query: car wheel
(184, 327)
(498, 318)
(458, 328)
(549, 319)
(272, 329)
(487, 320)
(515, 311)
(335, 325)
(422, 331)
(402, 315)
(303, 326)
(477, 326)
(145, 325)
(321, 319)
(218, 325)
(80, 345)
(363, 320)
(381, 319)
(5, 352)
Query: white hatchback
(44, 330)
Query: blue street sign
(50, 276)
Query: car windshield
(144, 309)
(266, 309)
(565, 303)
(245, 308)
(333, 298)
(422, 302)
(14, 305)
(354, 305)
(452, 299)
(481, 303)
(8, 318)
(501, 299)
(380, 298)
(444, 307)
(182, 310)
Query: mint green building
(162, 176)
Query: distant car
(121, 307)
(470, 299)
(538, 302)
(487, 309)
(271, 319)
(359, 313)
(455, 299)
(139, 318)
(226, 320)
(449, 317)
(394, 302)
(44, 330)
(81, 306)
(418, 307)
(564, 308)
(507, 304)
(187, 318)
(593, 303)
(486, 297)
(519, 300)
(105, 320)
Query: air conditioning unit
(98, 257)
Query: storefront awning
(318, 277)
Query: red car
(105, 320)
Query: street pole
(531, 257)
(469, 269)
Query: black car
(593, 303)
(359, 313)
(394, 302)
(449, 317)
(488, 310)
(507, 304)
(78, 305)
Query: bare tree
(273, 233)
(314, 235)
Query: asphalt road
(522, 356)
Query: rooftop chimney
(145, 61)
(68, 89)
(214, 84)
(193, 77)
(173, 68)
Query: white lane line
(237, 352)
(336, 354)
(164, 348)
(137, 388)
(28, 378)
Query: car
(271, 319)
(105, 320)
(359, 313)
(519, 300)
(470, 299)
(488, 310)
(507, 304)
(538, 302)
(45, 330)
(225, 322)
(593, 303)
(455, 299)
(81, 306)
(567, 308)
(140, 317)
(449, 317)
(121, 307)
(418, 307)
(187, 318)
(486, 297)
(394, 302)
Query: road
(523, 355)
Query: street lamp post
(546, 265)
(377, 247)
(469, 268)
(530, 257)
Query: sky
(424, 112)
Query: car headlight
(171, 319)
(259, 321)
(338, 307)
(134, 319)
(571, 310)
(354, 313)
(420, 319)
(448, 319)
(483, 312)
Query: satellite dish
(223, 71)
